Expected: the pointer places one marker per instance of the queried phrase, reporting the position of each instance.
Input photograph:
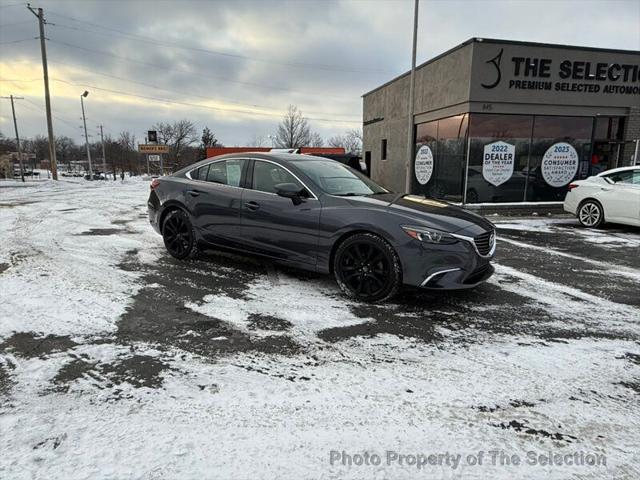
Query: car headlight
(428, 235)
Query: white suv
(612, 196)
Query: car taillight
(155, 183)
(572, 186)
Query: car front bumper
(444, 267)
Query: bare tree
(351, 141)
(257, 141)
(294, 130)
(316, 140)
(128, 155)
(179, 136)
(65, 147)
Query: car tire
(367, 268)
(590, 214)
(179, 235)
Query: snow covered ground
(117, 361)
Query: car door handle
(605, 189)
(193, 193)
(252, 205)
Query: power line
(188, 104)
(34, 107)
(13, 24)
(12, 5)
(176, 102)
(19, 80)
(166, 68)
(247, 105)
(57, 117)
(18, 41)
(141, 38)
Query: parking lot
(116, 359)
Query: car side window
(267, 175)
(200, 173)
(622, 177)
(226, 172)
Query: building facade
(501, 121)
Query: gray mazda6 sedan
(318, 214)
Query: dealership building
(502, 121)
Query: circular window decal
(423, 165)
(559, 164)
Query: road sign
(152, 136)
(148, 148)
(154, 158)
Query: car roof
(276, 156)
(619, 169)
(288, 157)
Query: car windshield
(338, 179)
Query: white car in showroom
(611, 196)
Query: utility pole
(412, 87)
(15, 125)
(86, 136)
(47, 98)
(104, 157)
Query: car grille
(485, 241)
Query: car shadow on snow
(158, 313)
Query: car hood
(421, 211)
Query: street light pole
(412, 87)
(86, 136)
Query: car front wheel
(367, 268)
(590, 214)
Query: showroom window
(498, 157)
(440, 158)
(560, 152)
(511, 158)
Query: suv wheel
(590, 214)
(367, 268)
(179, 236)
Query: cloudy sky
(234, 66)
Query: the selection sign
(559, 164)
(424, 165)
(498, 161)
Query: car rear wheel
(179, 236)
(590, 214)
(367, 268)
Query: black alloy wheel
(367, 268)
(178, 235)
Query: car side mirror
(290, 190)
